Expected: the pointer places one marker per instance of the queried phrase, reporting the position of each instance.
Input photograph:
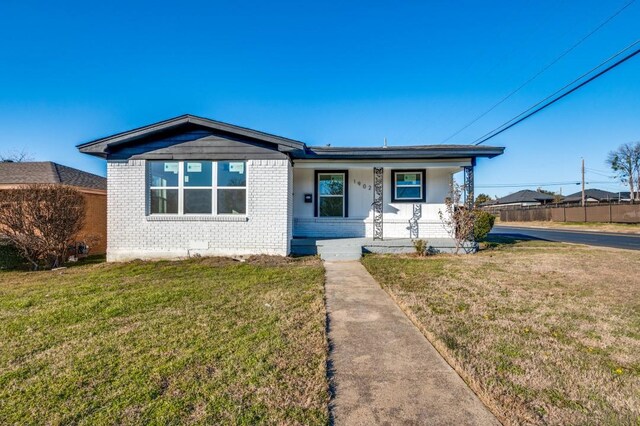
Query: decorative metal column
(468, 186)
(414, 230)
(378, 176)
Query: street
(606, 239)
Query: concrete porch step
(340, 256)
(329, 249)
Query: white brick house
(190, 185)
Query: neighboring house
(191, 185)
(624, 196)
(92, 187)
(592, 196)
(524, 198)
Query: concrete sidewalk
(384, 370)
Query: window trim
(316, 193)
(213, 188)
(423, 186)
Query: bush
(420, 246)
(482, 225)
(42, 221)
(10, 257)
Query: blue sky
(345, 73)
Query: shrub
(456, 218)
(10, 257)
(42, 221)
(482, 225)
(420, 246)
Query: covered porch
(379, 200)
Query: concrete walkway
(384, 370)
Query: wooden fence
(612, 213)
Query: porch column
(378, 205)
(469, 186)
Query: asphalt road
(606, 239)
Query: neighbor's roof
(299, 150)
(48, 172)
(597, 194)
(525, 196)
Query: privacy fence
(614, 213)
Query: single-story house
(190, 185)
(523, 198)
(92, 187)
(592, 196)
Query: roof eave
(100, 147)
(322, 153)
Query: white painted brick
(132, 235)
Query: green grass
(547, 333)
(204, 341)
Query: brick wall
(95, 222)
(266, 229)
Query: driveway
(384, 370)
(605, 239)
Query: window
(232, 192)
(198, 187)
(164, 186)
(407, 186)
(331, 194)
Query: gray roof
(100, 147)
(525, 196)
(296, 149)
(594, 193)
(48, 172)
(399, 152)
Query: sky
(339, 73)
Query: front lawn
(204, 341)
(546, 333)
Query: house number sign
(364, 185)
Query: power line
(536, 75)
(542, 184)
(595, 172)
(510, 123)
(598, 170)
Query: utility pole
(584, 203)
(584, 199)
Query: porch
(395, 201)
(354, 248)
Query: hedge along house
(191, 185)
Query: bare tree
(42, 221)
(625, 162)
(15, 156)
(457, 219)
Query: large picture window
(331, 194)
(407, 186)
(198, 187)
